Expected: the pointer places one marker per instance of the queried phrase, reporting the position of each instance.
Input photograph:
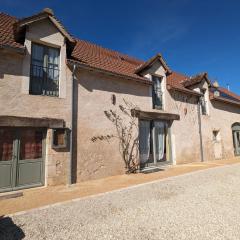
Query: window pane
(44, 70)
(31, 144)
(6, 145)
(159, 139)
(53, 56)
(157, 91)
(144, 141)
(37, 54)
(37, 70)
(238, 139)
(53, 72)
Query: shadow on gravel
(9, 230)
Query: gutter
(70, 177)
(90, 68)
(228, 101)
(169, 87)
(200, 130)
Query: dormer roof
(45, 14)
(196, 79)
(151, 61)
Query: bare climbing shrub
(126, 125)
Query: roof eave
(170, 87)
(61, 29)
(91, 68)
(228, 101)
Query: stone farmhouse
(64, 106)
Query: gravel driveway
(200, 205)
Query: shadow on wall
(92, 81)
(183, 98)
(9, 230)
(226, 107)
(15, 68)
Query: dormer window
(157, 95)
(44, 72)
(203, 102)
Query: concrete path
(199, 205)
(38, 197)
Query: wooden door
(21, 158)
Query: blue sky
(193, 36)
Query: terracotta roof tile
(98, 57)
(176, 80)
(7, 31)
(102, 58)
(225, 94)
(196, 79)
(224, 91)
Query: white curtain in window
(144, 140)
(53, 56)
(158, 87)
(159, 132)
(53, 63)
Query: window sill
(42, 95)
(158, 108)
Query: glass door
(7, 158)
(159, 141)
(154, 142)
(236, 136)
(30, 158)
(144, 142)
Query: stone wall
(221, 118)
(15, 99)
(185, 133)
(102, 158)
(94, 91)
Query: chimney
(49, 11)
(228, 87)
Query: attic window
(44, 70)
(157, 95)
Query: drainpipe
(200, 129)
(71, 127)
